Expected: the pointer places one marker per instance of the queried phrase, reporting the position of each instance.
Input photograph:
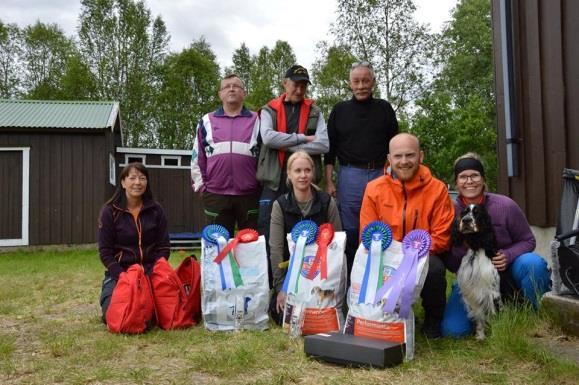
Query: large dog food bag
(315, 281)
(387, 277)
(234, 280)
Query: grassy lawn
(50, 333)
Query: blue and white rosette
(376, 237)
(228, 269)
(303, 233)
(415, 245)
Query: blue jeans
(530, 275)
(352, 183)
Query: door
(14, 171)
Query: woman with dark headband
(520, 268)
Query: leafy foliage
(330, 74)
(457, 113)
(10, 51)
(262, 73)
(123, 46)
(385, 33)
(188, 89)
(45, 55)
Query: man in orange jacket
(408, 197)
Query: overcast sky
(225, 23)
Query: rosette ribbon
(303, 234)
(401, 284)
(243, 236)
(376, 238)
(325, 236)
(228, 267)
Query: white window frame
(24, 241)
(142, 157)
(143, 152)
(163, 157)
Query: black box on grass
(347, 349)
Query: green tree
(77, 83)
(385, 33)
(262, 73)
(242, 66)
(45, 55)
(10, 51)
(261, 80)
(330, 76)
(457, 113)
(123, 47)
(281, 57)
(189, 84)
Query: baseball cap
(297, 73)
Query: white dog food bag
(387, 277)
(315, 282)
(234, 280)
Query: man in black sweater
(359, 130)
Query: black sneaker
(431, 328)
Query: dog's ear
(456, 236)
(485, 219)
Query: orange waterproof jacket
(421, 203)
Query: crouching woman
(522, 271)
(132, 229)
(303, 201)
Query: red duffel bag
(176, 295)
(132, 308)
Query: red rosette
(247, 235)
(325, 236)
(242, 236)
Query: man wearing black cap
(287, 124)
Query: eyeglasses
(357, 64)
(474, 178)
(231, 87)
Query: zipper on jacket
(140, 233)
(404, 211)
(415, 219)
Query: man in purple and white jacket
(224, 160)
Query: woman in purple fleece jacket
(519, 267)
(132, 229)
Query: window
(130, 158)
(170, 161)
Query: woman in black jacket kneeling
(303, 201)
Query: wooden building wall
(171, 187)
(68, 182)
(545, 54)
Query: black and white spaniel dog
(477, 277)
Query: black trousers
(434, 290)
(229, 210)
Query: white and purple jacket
(224, 158)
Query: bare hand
(500, 261)
(310, 138)
(331, 188)
(280, 302)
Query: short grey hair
(364, 64)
